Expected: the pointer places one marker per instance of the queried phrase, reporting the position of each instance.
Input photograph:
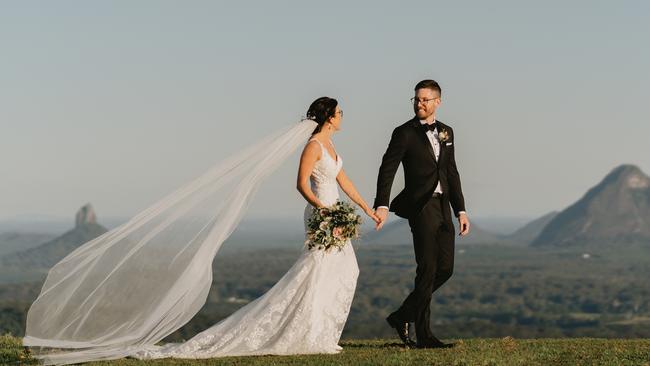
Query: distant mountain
(49, 253)
(529, 232)
(399, 232)
(16, 241)
(616, 210)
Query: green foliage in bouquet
(331, 227)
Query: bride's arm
(346, 185)
(310, 155)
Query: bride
(121, 293)
(305, 311)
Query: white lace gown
(303, 313)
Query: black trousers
(433, 243)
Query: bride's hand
(372, 215)
(319, 205)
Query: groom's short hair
(429, 84)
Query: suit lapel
(425, 140)
(443, 145)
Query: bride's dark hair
(321, 110)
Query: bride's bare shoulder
(312, 149)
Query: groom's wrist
(378, 207)
(461, 213)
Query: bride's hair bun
(321, 110)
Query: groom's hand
(463, 222)
(382, 213)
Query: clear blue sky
(119, 102)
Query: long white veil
(136, 284)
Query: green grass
(488, 351)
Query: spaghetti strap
(324, 150)
(320, 143)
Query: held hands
(382, 214)
(372, 215)
(463, 222)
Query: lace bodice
(323, 176)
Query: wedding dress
(123, 292)
(304, 312)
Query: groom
(425, 147)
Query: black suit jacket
(410, 146)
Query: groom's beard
(422, 114)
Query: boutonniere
(443, 135)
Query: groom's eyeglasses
(423, 101)
(340, 111)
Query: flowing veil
(136, 284)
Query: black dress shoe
(402, 329)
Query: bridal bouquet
(332, 226)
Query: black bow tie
(429, 127)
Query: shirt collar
(435, 123)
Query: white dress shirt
(435, 143)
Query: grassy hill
(487, 351)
